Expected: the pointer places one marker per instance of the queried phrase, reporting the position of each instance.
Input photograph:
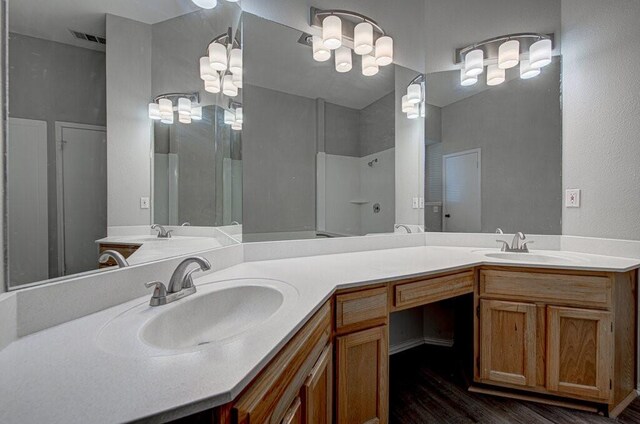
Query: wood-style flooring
(428, 384)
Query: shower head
(372, 162)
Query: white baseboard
(411, 343)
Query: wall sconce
(221, 68)
(414, 102)
(343, 32)
(186, 104)
(532, 50)
(234, 116)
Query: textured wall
(601, 110)
(377, 125)
(341, 130)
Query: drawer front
(430, 290)
(361, 309)
(558, 289)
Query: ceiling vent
(88, 37)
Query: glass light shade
(228, 87)
(229, 117)
(474, 63)
(332, 32)
(466, 80)
(218, 56)
(196, 113)
(495, 75)
(508, 54)
(206, 4)
(239, 116)
(384, 51)
(363, 38)
(320, 52)
(423, 110)
(343, 59)
(540, 53)
(369, 65)
(184, 119)
(406, 106)
(235, 61)
(414, 93)
(184, 106)
(167, 118)
(414, 112)
(236, 126)
(166, 106)
(527, 71)
(154, 111)
(212, 86)
(237, 80)
(233, 1)
(206, 71)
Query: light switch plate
(421, 202)
(144, 203)
(416, 203)
(572, 198)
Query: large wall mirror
(86, 161)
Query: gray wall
(341, 130)
(433, 130)
(601, 142)
(377, 126)
(433, 187)
(129, 132)
(279, 162)
(518, 126)
(51, 82)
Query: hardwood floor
(428, 384)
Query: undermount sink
(212, 317)
(216, 315)
(531, 257)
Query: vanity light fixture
(228, 87)
(233, 116)
(209, 4)
(212, 86)
(163, 107)
(343, 29)
(531, 50)
(224, 54)
(414, 102)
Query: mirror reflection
(494, 153)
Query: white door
(82, 195)
(28, 227)
(461, 192)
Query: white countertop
(61, 375)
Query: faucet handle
(159, 290)
(524, 247)
(505, 245)
(168, 233)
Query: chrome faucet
(162, 232)
(181, 282)
(406, 227)
(518, 244)
(115, 255)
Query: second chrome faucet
(181, 282)
(518, 244)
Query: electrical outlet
(144, 203)
(572, 198)
(421, 202)
(416, 203)
(435, 209)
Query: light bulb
(206, 4)
(363, 38)
(154, 111)
(474, 63)
(218, 56)
(235, 61)
(508, 54)
(384, 51)
(414, 93)
(228, 87)
(369, 65)
(540, 53)
(320, 52)
(343, 59)
(527, 71)
(332, 32)
(495, 75)
(466, 80)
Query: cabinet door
(294, 413)
(508, 342)
(318, 390)
(579, 352)
(362, 378)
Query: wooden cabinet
(508, 342)
(294, 413)
(362, 377)
(361, 309)
(317, 392)
(579, 352)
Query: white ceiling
(274, 59)
(52, 19)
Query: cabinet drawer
(361, 309)
(430, 290)
(557, 289)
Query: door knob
(447, 216)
